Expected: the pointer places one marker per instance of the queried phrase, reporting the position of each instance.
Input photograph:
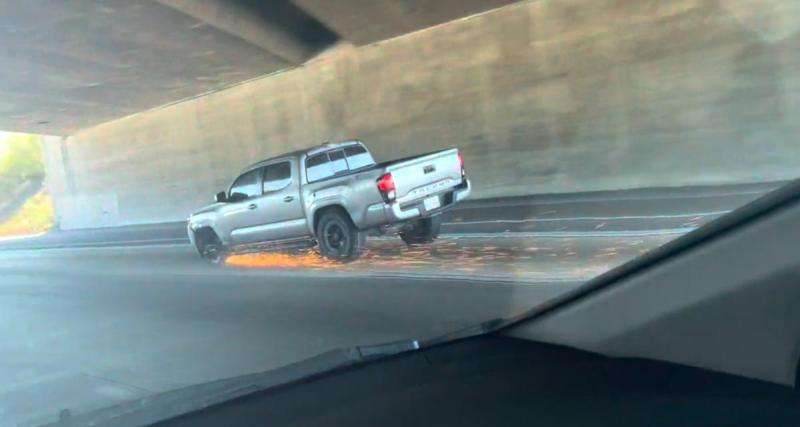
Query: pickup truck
(332, 195)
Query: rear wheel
(422, 231)
(338, 237)
(210, 246)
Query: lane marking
(228, 271)
(24, 236)
(463, 235)
(101, 244)
(587, 218)
(479, 204)
(599, 233)
(444, 236)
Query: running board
(279, 245)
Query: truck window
(246, 185)
(318, 167)
(358, 157)
(338, 163)
(277, 176)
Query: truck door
(237, 214)
(277, 213)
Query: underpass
(81, 335)
(594, 132)
(548, 238)
(90, 327)
(126, 320)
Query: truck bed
(419, 176)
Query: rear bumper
(396, 212)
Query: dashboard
(502, 381)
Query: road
(88, 327)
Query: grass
(20, 161)
(34, 217)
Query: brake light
(386, 187)
(461, 161)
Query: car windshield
(384, 171)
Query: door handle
(288, 199)
(252, 206)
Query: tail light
(386, 187)
(461, 161)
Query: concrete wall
(543, 96)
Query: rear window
(338, 163)
(358, 157)
(326, 165)
(318, 167)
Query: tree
(22, 159)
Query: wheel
(338, 237)
(210, 246)
(420, 231)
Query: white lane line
(145, 244)
(101, 244)
(599, 233)
(532, 234)
(588, 218)
(25, 236)
(479, 204)
(229, 270)
(167, 240)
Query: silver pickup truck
(332, 195)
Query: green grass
(20, 161)
(35, 216)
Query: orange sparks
(280, 260)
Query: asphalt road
(610, 212)
(86, 327)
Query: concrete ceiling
(69, 65)
(367, 21)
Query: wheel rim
(211, 251)
(335, 237)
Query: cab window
(245, 187)
(358, 157)
(338, 163)
(277, 177)
(318, 167)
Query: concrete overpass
(543, 97)
(73, 65)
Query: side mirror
(221, 197)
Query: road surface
(87, 328)
(90, 326)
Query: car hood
(210, 208)
(153, 409)
(167, 405)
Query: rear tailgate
(424, 175)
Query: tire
(422, 231)
(210, 246)
(338, 238)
